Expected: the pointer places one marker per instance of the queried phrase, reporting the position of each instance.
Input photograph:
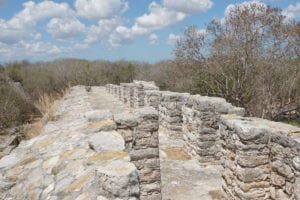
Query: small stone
(16, 189)
(282, 169)
(14, 171)
(277, 179)
(80, 183)
(27, 161)
(118, 178)
(107, 141)
(280, 194)
(47, 191)
(73, 154)
(34, 164)
(98, 115)
(51, 162)
(9, 161)
(107, 156)
(44, 143)
(297, 188)
(63, 184)
(101, 198)
(34, 195)
(84, 196)
(296, 163)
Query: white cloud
(100, 9)
(202, 32)
(105, 26)
(64, 28)
(172, 39)
(231, 8)
(292, 11)
(22, 25)
(153, 39)
(159, 17)
(121, 35)
(81, 46)
(25, 48)
(188, 6)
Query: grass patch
(293, 122)
(48, 106)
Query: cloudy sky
(142, 30)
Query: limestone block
(119, 179)
(103, 125)
(98, 115)
(106, 141)
(148, 153)
(126, 119)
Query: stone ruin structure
(107, 147)
(260, 158)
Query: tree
(251, 59)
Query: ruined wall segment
(170, 110)
(139, 92)
(140, 131)
(153, 98)
(201, 117)
(260, 159)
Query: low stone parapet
(260, 159)
(201, 117)
(170, 110)
(153, 98)
(139, 92)
(140, 132)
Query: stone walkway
(71, 159)
(182, 176)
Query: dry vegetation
(251, 59)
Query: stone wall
(170, 110)
(152, 98)
(140, 132)
(260, 159)
(140, 87)
(201, 116)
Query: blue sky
(141, 30)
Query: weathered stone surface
(9, 161)
(118, 179)
(104, 125)
(64, 161)
(260, 152)
(98, 115)
(125, 120)
(201, 126)
(107, 141)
